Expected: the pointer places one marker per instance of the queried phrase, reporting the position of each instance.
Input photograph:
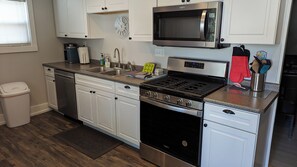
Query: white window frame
(32, 47)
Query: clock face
(122, 26)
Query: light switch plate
(159, 52)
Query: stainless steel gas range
(171, 111)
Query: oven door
(173, 130)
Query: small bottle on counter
(107, 62)
(102, 61)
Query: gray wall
(27, 67)
(141, 52)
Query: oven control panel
(171, 99)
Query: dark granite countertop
(82, 69)
(257, 102)
(228, 95)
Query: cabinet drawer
(97, 83)
(239, 119)
(48, 71)
(127, 90)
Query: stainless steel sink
(99, 69)
(96, 69)
(115, 72)
(107, 71)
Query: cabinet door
(116, 5)
(141, 19)
(85, 105)
(225, 146)
(61, 17)
(77, 19)
(95, 6)
(250, 22)
(105, 109)
(128, 116)
(51, 92)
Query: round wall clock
(122, 26)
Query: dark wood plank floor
(33, 145)
(283, 150)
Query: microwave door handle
(202, 24)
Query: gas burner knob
(189, 103)
(179, 101)
(148, 93)
(155, 95)
(167, 98)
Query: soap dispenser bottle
(102, 61)
(107, 62)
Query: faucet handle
(130, 66)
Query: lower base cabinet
(128, 123)
(96, 108)
(85, 107)
(51, 92)
(117, 114)
(226, 146)
(105, 111)
(51, 87)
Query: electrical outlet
(159, 52)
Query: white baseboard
(40, 109)
(35, 110)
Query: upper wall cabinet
(141, 19)
(250, 22)
(180, 2)
(72, 20)
(102, 6)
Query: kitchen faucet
(116, 50)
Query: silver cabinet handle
(202, 24)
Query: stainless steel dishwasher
(65, 87)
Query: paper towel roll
(83, 53)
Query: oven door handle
(193, 112)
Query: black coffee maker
(71, 53)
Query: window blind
(14, 22)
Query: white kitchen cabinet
(105, 111)
(61, 17)
(110, 106)
(72, 20)
(102, 6)
(180, 2)
(85, 104)
(141, 19)
(226, 146)
(250, 22)
(96, 102)
(128, 119)
(128, 113)
(229, 136)
(96, 108)
(51, 92)
(51, 87)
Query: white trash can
(15, 102)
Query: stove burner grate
(185, 85)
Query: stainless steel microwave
(192, 25)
